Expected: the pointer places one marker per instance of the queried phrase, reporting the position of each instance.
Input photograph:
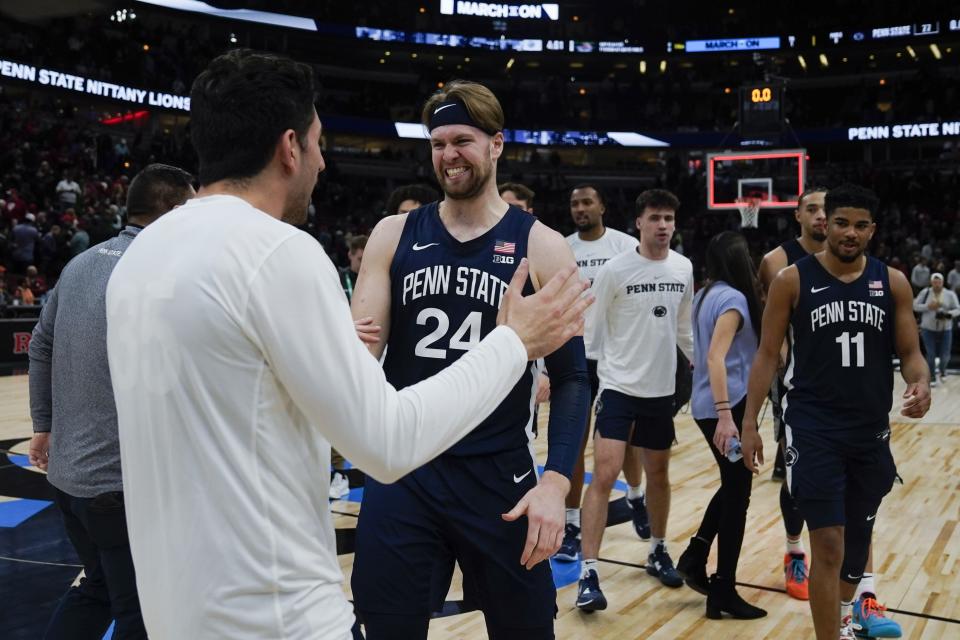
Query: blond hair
(480, 102)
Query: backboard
(776, 177)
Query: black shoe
(692, 565)
(638, 513)
(723, 598)
(779, 466)
(589, 596)
(660, 565)
(570, 549)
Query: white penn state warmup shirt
(643, 308)
(235, 365)
(590, 256)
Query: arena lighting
(248, 15)
(510, 63)
(823, 60)
(803, 63)
(643, 66)
(127, 117)
(913, 54)
(663, 66)
(935, 50)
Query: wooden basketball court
(917, 543)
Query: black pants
(726, 515)
(97, 527)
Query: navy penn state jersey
(840, 374)
(794, 251)
(445, 296)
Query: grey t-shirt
(71, 393)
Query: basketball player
(227, 407)
(593, 245)
(847, 314)
(813, 227)
(433, 280)
(75, 420)
(643, 312)
(518, 195)
(812, 219)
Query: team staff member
(847, 313)
(227, 408)
(725, 313)
(938, 309)
(593, 245)
(433, 280)
(643, 309)
(75, 420)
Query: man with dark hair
(408, 197)
(75, 426)
(519, 195)
(593, 244)
(227, 408)
(847, 314)
(157, 189)
(643, 313)
(813, 232)
(432, 279)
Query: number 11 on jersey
(844, 340)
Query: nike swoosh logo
(816, 290)
(869, 518)
(439, 109)
(417, 247)
(517, 480)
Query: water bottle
(734, 452)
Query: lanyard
(349, 285)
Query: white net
(749, 212)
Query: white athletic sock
(656, 542)
(573, 517)
(587, 566)
(795, 546)
(846, 609)
(634, 492)
(867, 585)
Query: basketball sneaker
(868, 615)
(339, 486)
(660, 565)
(589, 596)
(848, 629)
(569, 550)
(795, 571)
(638, 513)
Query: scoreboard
(761, 109)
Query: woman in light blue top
(726, 320)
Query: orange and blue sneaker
(868, 615)
(795, 571)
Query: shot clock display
(761, 109)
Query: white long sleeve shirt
(643, 309)
(590, 256)
(235, 366)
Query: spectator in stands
(920, 276)
(517, 194)
(953, 278)
(80, 241)
(5, 298)
(68, 191)
(25, 236)
(35, 282)
(938, 308)
(16, 206)
(408, 197)
(75, 438)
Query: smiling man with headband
(433, 279)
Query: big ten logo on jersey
(21, 342)
(499, 259)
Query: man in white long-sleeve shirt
(643, 312)
(227, 408)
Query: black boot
(692, 565)
(723, 598)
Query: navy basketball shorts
(452, 504)
(617, 412)
(834, 473)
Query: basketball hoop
(749, 208)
